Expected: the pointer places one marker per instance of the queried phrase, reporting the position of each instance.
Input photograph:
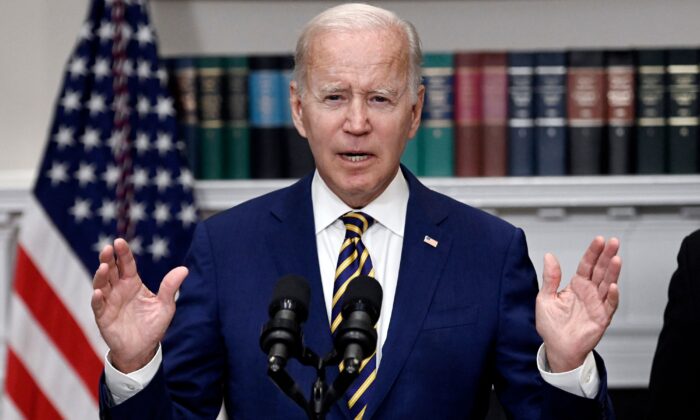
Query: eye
(380, 99)
(333, 98)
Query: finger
(590, 257)
(97, 302)
(101, 279)
(107, 257)
(601, 266)
(611, 276)
(551, 275)
(125, 259)
(171, 284)
(613, 299)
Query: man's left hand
(572, 321)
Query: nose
(357, 118)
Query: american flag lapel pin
(430, 241)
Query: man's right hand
(131, 319)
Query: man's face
(357, 111)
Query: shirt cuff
(123, 386)
(583, 381)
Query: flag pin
(430, 241)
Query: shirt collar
(389, 209)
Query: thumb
(551, 276)
(171, 284)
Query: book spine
(237, 134)
(550, 113)
(521, 114)
(620, 77)
(586, 110)
(437, 127)
(267, 131)
(211, 126)
(299, 160)
(468, 114)
(683, 111)
(651, 112)
(494, 96)
(183, 84)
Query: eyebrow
(333, 88)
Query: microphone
(281, 336)
(356, 337)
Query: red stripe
(50, 312)
(25, 393)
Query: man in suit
(673, 384)
(460, 294)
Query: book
(651, 111)
(298, 158)
(210, 106)
(183, 85)
(620, 81)
(436, 138)
(521, 114)
(266, 119)
(683, 111)
(467, 114)
(494, 106)
(237, 133)
(586, 111)
(550, 113)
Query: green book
(436, 134)
(236, 145)
(410, 157)
(210, 77)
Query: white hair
(358, 16)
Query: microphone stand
(322, 396)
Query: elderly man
(461, 311)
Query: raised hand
(572, 321)
(131, 319)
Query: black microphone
(356, 337)
(281, 336)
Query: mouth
(355, 157)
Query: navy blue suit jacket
(462, 322)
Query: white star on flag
(142, 143)
(76, 67)
(158, 248)
(58, 173)
(139, 178)
(161, 213)
(85, 174)
(101, 68)
(164, 143)
(111, 175)
(80, 210)
(164, 107)
(90, 139)
(163, 179)
(64, 137)
(96, 104)
(70, 101)
(144, 35)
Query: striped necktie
(354, 260)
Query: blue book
(550, 113)
(521, 114)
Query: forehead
(360, 56)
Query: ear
(295, 104)
(416, 111)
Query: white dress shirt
(383, 241)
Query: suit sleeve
(673, 384)
(189, 383)
(518, 383)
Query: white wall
(36, 37)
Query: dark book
(210, 77)
(467, 114)
(550, 113)
(521, 114)
(620, 80)
(183, 85)
(436, 138)
(237, 132)
(586, 111)
(268, 133)
(494, 107)
(683, 111)
(299, 160)
(651, 112)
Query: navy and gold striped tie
(353, 261)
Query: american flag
(112, 167)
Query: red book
(468, 115)
(494, 99)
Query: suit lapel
(421, 266)
(291, 239)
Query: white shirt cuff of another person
(583, 381)
(123, 386)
